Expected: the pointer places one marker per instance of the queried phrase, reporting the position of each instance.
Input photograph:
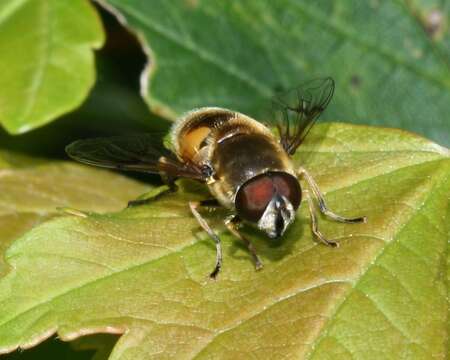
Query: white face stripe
(279, 205)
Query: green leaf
(143, 272)
(235, 54)
(31, 191)
(98, 115)
(47, 63)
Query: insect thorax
(191, 133)
(236, 147)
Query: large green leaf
(389, 70)
(31, 191)
(143, 272)
(46, 61)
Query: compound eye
(253, 197)
(288, 186)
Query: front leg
(314, 226)
(321, 200)
(232, 224)
(193, 206)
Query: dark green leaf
(389, 69)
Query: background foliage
(391, 63)
(391, 68)
(390, 59)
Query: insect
(247, 168)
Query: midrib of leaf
(193, 241)
(332, 317)
(43, 60)
(331, 25)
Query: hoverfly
(247, 169)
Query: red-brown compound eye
(253, 197)
(288, 186)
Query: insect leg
(193, 206)
(314, 226)
(169, 181)
(231, 224)
(321, 200)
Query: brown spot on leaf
(355, 81)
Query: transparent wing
(297, 110)
(139, 152)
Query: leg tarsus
(215, 272)
(314, 226)
(231, 224)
